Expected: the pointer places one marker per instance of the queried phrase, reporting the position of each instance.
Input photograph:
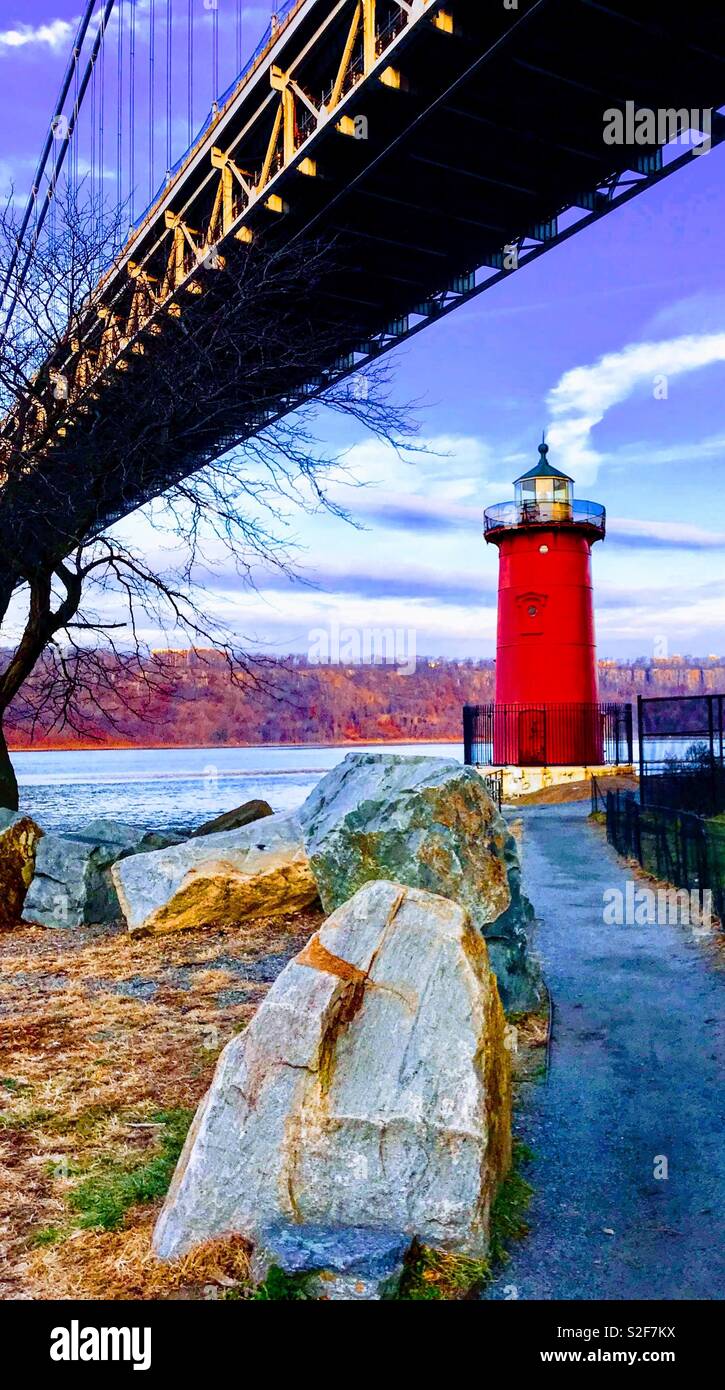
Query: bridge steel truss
(443, 144)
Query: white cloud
(56, 36)
(695, 626)
(680, 534)
(450, 475)
(583, 396)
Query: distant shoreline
(218, 747)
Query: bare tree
(161, 432)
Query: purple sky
(574, 343)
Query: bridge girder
(443, 143)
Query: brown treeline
(294, 701)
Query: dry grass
(533, 1029)
(85, 1075)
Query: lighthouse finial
(543, 447)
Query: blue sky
(575, 343)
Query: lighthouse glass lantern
(544, 494)
(546, 669)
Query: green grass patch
(434, 1275)
(26, 1119)
(280, 1287)
(510, 1205)
(9, 1083)
(61, 1167)
(103, 1199)
(47, 1235)
(85, 1124)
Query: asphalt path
(636, 1077)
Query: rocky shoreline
(366, 1108)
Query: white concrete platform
(521, 781)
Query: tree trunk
(8, 780)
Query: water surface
(177, 788)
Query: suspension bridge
(441, 145)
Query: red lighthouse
(546, 672)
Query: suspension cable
(50, 137)
(60, 160)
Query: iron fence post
(640, 739)
(469, 719)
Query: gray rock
(72, 884)
(234, 820)
(133, 840)
(370, 1090)
(260, 869)
(347, 1263)
(430, 823)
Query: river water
(176, 788)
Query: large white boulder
(260, 869)
(370, 1092)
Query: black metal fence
(547, 735)
(494, 786)
(682, 752)
(599, 797)
(675, 846)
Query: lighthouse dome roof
(544, 469)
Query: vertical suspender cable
(168, 86)
(101, 110)
(132, 110)
(75, 137)
(190, 71)
(239, 37)
(215, 54)
(152, 93)
(119, 109)
(190, 66)
(93, 138)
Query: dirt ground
(107, 1044)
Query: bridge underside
(500, 131)
(483, 139)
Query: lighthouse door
(532, 737)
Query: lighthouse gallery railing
(505, 515)
(535, 735)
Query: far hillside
(189, 701)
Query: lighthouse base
(523, 781)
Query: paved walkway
(637, 1070)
